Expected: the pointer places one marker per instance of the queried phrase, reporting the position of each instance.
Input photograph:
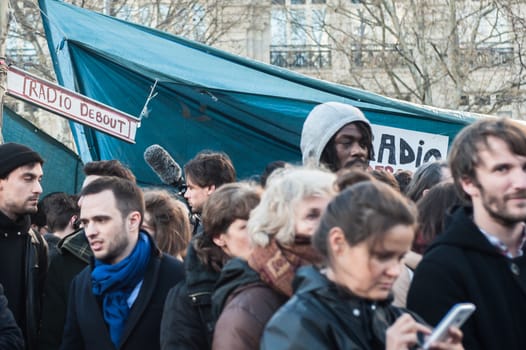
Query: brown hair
(432, 210)
(128, 195)
(425, 177)
(108, 168)
(346, 177)
(224, 206)
(169, 219)
(59, 208)
(464, 153)
(210, 168)
(366, 210)
(403, 177)
(386, 177)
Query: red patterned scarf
(277, 264)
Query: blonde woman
(280, 229)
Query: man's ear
(336, 240)
(135, 219)
(469, 186)
(219, 240)
(73, 222)
(211, 189)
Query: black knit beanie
(14, 155)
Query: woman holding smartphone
(363, 235)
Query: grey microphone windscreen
(163, 165)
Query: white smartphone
(455, 317)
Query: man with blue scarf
(117, 302)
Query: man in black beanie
(23, 253)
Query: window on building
(374, 55)
(298, 27)
(298, 38)
(278, 26)
(483, 100)
(464, 100)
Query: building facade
(456, 54)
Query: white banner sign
(396, 148)
(72, 105)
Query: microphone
(164, 165)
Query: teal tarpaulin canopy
(206, 98)
(62, 167)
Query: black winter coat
(85, 326)
(10, 334)
(322, 315)
(74, 254)
(187, 320)
(462, 266)
(23, 269)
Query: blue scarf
(116, 282)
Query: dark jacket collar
(462, 232)
(308, 279)
(22, 224)
(367, 319)
(236, 273)
(199, 278)
(76, 244)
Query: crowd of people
(329, 254)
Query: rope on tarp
(145, 112)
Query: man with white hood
(337, 135)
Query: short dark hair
(329, 156)
(227, 204)
(364, 210)
(111, 167)
(127, 194)
(426, 176)
(403, 177)
(464, 153)
(58, 209)
(209, 168)
(269, 169)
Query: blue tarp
(206, 98)
(62, 167)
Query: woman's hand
(402, 335)
(453, 342)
